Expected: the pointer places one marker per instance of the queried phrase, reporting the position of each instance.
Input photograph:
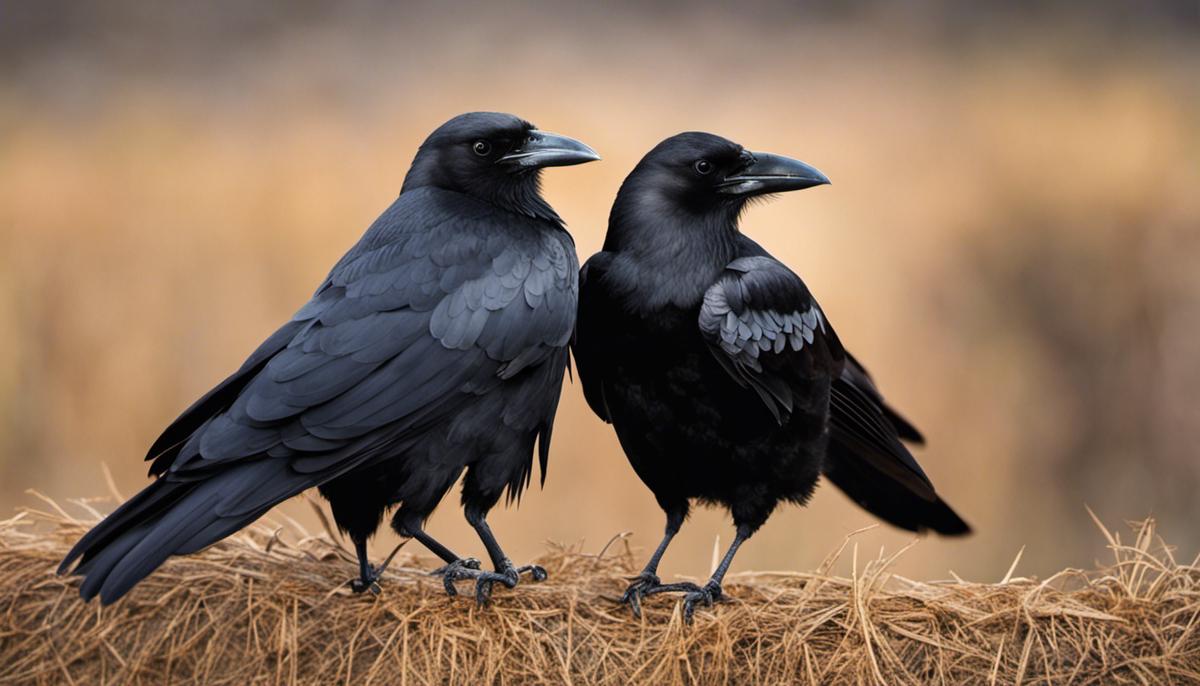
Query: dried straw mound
(269, 606)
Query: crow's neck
(518, 192)
(669, 256)
(523, 195)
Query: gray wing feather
(759, 311)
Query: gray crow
(722, 376)
(436, 345)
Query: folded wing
(769, 334)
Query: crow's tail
(891, 499)
(175, 517)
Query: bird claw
(469, 568)
(484, 582)
(709, 594)
(536, 572)
(358, 586)
(637, 590)
(463, 568)
(648, 584)
(361, 585)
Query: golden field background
(1011, 241)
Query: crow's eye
(482, 148)
(703, 166)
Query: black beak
(767, 173)
(545, 149)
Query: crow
(723, 378)
(436, 345)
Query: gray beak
(768, 173)
(545, 149)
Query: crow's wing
(433, 306)
(766, 330)
(769, 334)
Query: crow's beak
(767, 173)
(545, 149)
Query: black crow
(436, 345)
(723, 378)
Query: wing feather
(766, 331)
(408, 325)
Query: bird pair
(435, 350)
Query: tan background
(1011, 242)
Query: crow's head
(699, 174)
(493, 156)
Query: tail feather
(887, 498)
(150, 501)
(162, 539)
(99, 565)
(175, 518)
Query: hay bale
(269, 606)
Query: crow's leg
(647, 582)
(711, 591)
(499, 560)
(367, 574)
(359, 518)
(505, 571)
(482, 488)
(455, 568)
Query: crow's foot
(362, 585)
(485, 581)
(709, 594)
(648, 584)
(368, 583)
(462, 568)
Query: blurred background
(1011, 242)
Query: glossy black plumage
(437, 344)
(722, 376)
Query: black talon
(484, 581)
(464, 568)
(709, 594)
(641, 583)
(648, 584)
(536, 572)
(483, 585)
(368, 574)
(361, 585)
(636, 590)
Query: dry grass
(269, 606)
